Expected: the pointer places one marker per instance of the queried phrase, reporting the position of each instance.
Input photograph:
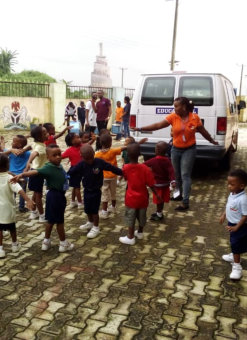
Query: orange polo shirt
(110, 156)
(184, 130)
(119, 113)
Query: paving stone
(226, 325)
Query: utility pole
(122, 78)
(174, 37)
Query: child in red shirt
(162, 169)
(138, 177)
(73, 140)
(52, 137)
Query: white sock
(63, 243)
(104, 211)
(1, 247)
(47, 240)
(95, 227)
(14, 243)
(159, 214)
(42, 215)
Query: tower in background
(100, 77)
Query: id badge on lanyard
(183, 130)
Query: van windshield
(158, 91)
(197, 89)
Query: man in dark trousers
(81, 114)
(103, 110)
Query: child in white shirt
(7, 204)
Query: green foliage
(7, 60)
(29, 76)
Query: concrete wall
(19, 112)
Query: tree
(7, 61)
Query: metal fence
(129, 93)
(85, 92)
(19, 89)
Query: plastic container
(115, 128)
(76, 126)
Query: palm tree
(7, 60)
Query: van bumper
(215, 152)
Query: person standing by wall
(103, 110)
(70, 113)
(90, 119)
(81, 114)
(126, 117)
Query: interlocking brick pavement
(171, 285)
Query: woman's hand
(214, 142)
(232, 229)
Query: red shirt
(50, 140)
(102, 108)
(73, 153)
(162, 169)
(138, 176)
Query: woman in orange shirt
(185, 124)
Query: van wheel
(225, 163)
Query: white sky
(62, 38)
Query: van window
(231, 99)
(158, 91)
(197, 89)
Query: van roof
(184, 73)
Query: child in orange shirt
(119, 112)
(108, 154)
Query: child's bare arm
(30, 173)
(63, 132)
(92, 140)
(31, 158)
(2, 144)
(143, 140)
(238, 225)
(156, 194)
(30, 203)
(223, 217)
(123, 148)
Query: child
(162, 169)
(37, 159)
(130, 140)
(108, 154)
(91, 172)
(236, 214)
(18, 162)
(73, 140)
(119, 112)
(102, 132)
(50, 128)
(7, 204)
(138, 177)
(87, 137)
(55, 176)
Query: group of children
(98, 172)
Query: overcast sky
(62, 38)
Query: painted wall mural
(15, 116)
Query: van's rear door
(201, 90)
(157, 96)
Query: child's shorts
(109, 190)
(55, 206)
(238, 239)
(92, 201)
(8, 226)
(132, 214)
(36, 183)
(164, 193)
(75, 180)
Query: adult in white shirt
(90, 121)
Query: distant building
(100, 77)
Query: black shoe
(155, 217)
(179, 198)
(182, 207)
(23, 210)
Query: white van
(214, 100)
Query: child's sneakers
(111, 209)
(34, 214)
(156, 217)
(138, 235)
(87, 226)
(228, 257)
(42, 218)
(2, 253)
(65, 246)
(16, 247)
(46, 244)
(73, 204)
(236, 273)
(5, 233)
(80, 205)
(126, 240)
(104, 214)
(93, 232)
